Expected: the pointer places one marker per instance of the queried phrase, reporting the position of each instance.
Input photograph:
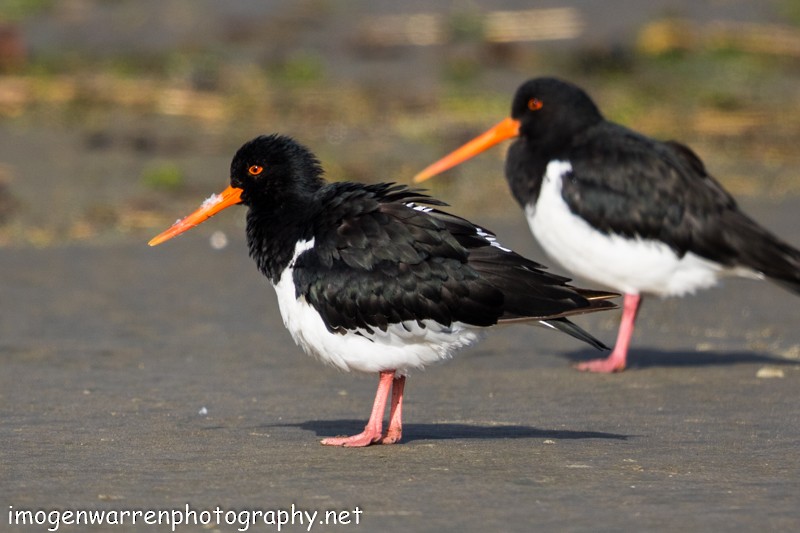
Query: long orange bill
(212, 206)
(506, 129)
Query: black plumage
(621, 209)
(628, 184)
(382, 254)
(374, 277)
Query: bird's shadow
(653, 358)
(451, 431)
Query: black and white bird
(620, 209)
(373, 278)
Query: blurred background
(118, 116)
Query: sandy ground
(152, 378)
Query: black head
(545, 115)
(549, 109)
(274, 168)
(270, 174)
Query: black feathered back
(382, 256)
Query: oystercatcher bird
(620, 209)
(374, 278)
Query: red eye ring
(255, 170)
(534, 104)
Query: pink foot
(603, 366)
(391, 437)
(364, 438)
(373, 432)
(616, 362)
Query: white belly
(622, 264)
(401, 347)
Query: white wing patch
(417, 207)
(491, 239)
(485, 235)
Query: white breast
(630, 265)
(401, 347)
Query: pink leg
(616, 361)
(395, 430)
(374, 428)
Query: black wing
(383, 256)
(633, 186)
(629, 184)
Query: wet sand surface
(152, 378)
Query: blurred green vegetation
(466, 25)
(19, 9)
(163, 177)
(301, 69)
(790, 9)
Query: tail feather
(739, 241)
(596, 301)
(774, 258)
(596, 295)
(573, 330)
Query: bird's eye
(534, 104)
(255, 170)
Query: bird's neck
(525, 167)
(272, 237)
(529, 155)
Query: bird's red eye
(534, 104)
(255, 170)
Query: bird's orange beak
(212, 206)
(506, 129)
